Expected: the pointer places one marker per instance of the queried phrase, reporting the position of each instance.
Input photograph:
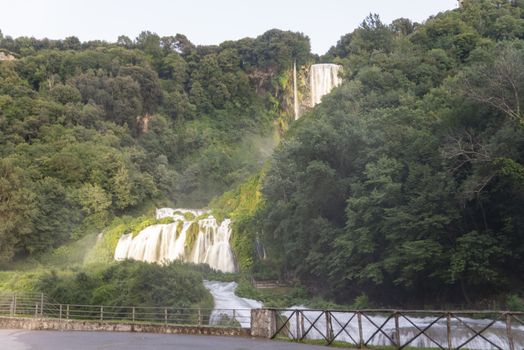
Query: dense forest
(94, 130)
(407, 182)
(404, 187)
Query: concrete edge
(101, 326)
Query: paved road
(54, 340)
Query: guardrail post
(41, 304)
(133, 313)
(101, 313)
(397, 329)
(360, 334)
(302, 328)
(297, 313)
(450, 344)
(14, 304)
(509, 332)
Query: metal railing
(403, 329)
(38, 305)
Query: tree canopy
(406, 182)
(89, 130)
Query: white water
(226, 301)
(460, 334)
(295, 92)
(160, 243)
(323, 78)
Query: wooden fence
(403, 329)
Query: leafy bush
(514, 303)
(128, 283)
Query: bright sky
(204, 21)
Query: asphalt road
(11, 339)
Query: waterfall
(323, 78)
(193, 236)
(295, 91)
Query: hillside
(403, 188)
(94, 130)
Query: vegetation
(92, 131)
(129, 283)
(404, 188)
(406, 182)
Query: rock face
(6, 57)
(311, 84)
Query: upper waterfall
(193, 236)
(323, 78)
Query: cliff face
(6, 57)
(313, 82)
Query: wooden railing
(501, 330)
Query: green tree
(17, 208)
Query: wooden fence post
(450, 344)
(165, 316)
(509, 332)
(101, 312)
(360, 334)
(397, 329)
(133, 312)
(67, 312)
(302, 328)
(329, 327)
(199, 317)
(36, 310)
(60, 316)
(297, 325)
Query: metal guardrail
(403, 329)
(38, 305)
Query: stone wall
(77, 325)
(263, 323)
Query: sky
(204, 21)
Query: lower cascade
(194, 236)
(230, 306)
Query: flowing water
(196, 236)
(323, 78)
(226, 301)
(296, 107)
(193, 236)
